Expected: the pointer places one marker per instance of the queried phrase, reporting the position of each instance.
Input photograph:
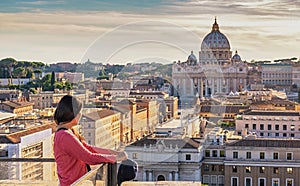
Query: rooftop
(283, 143)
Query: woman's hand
(121, 156)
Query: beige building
(10, 95)
(262, 162)
(217, 71)
(277, 124)
(279, 75)
(102, 128)
(17, 107)
(46, 99)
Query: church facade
(216, 72)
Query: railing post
(111, 174)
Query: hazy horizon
(119, 32)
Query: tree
(8, 63)
(18, 73)
(52, 78)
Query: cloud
(42, 2)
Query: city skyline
(160, 31)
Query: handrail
(5, 159)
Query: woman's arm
(76, 149)
(99, 150)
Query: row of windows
(269, 127)
(262, 170)
(272, 75)
(261, 181)
(289, 155)
(214, 153)
(214, 168)
(292, 135)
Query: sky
(136, 31)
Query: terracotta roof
(186, 143)
(272, 113)
(100, 114)
(16, 136)
(284, 143)
(223, 109)
(147, 93)
(17, 104)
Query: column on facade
(192, 87)
(212, 86)
(145, 176)
(227, 85)
(150, 176)
(245, 84)
(234, 85)
(184, 86)
(219, 84)
(201, 88)
(176, 176)
(170, 176)
(206, 87)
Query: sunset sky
(125, 31)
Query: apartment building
(102, 128)
(17, 107)
(35, 142)
(262, 162)
(274, 123)
(46, 99)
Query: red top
(71, 156)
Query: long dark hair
(67, 109)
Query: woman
(72, 154)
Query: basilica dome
(236, 57)
(215, 39)
(192, 58)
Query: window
(222, 153)
(261, 126)
(261, 134)
(214, 167)
(89, 134)
(248, 155)
(246, 126)
(276, 170)
(284, 127)
(235, 155)
(234, 168)
(234, 181)
(289, 156)
(187, 157)
(261, 181)
(292, 135)
(248, 169)
(134, 155)
(206, 179)
(292, 127)
(248, 181)
(276, 127)
(221, 168)
(289, 182)
(221, 180)
(215, 153)
(284, 135)
(289, 170)
(275, 182)
(261, 155)
(262, 170)
(269, 127)
(206, 167)
(275, 156)
(254, 126)
(276, 134)
(207, 153)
